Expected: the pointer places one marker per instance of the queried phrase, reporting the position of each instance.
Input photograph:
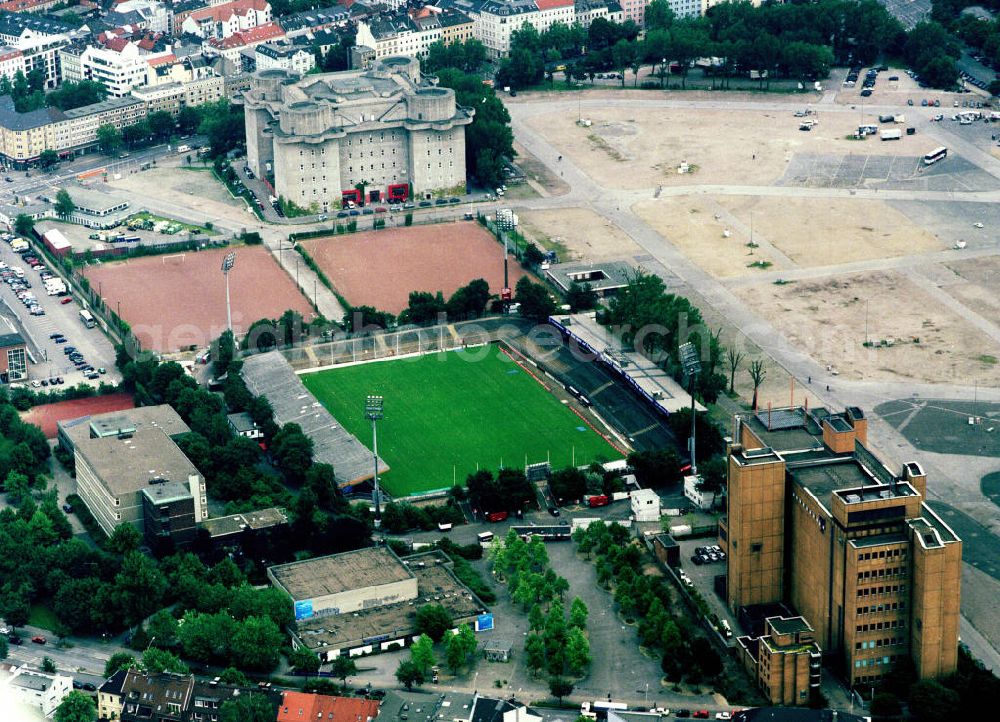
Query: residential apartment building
(411, 34)
(324, 134)
(118, 72)
(78, 130)
(11, 61)
(635, 10)
(28, 6)
(33, 690)
(233, 46)
(294, 58)
(171, 97)
(154, 15)
(785, 662)
(132, 696)
(15, 27)
(498, 19)
(221, 21)
(587, 11)
(41, 53)
(113, 472)
(817, 522)
(314, 21)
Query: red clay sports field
(179, 300)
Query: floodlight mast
(374, 412)
(227, 265)
(688, 356)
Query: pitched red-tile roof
(300, 707)
(551, 4)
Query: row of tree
(28, 92)
(686, 654)
(555, 644)
(792, 40)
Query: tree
(578, 613)
(536, 619)
(251, 707)
(76, 707)
(560, 687)
(64, 203)
(17, 486)
(256, 643)
(163, 627)
(161, 123)
(581, 297)
(225, 351)
(124, 539)
(223, 124)
(24, 224)
(117, 661)
(734, 357)
(568, 484)
(660, 467)
(534, 652)
(48, 158)
(422, 653)
(109, 140)
(48, 666)
(231, 675)
(139, 587)
(713, 473)
(4, 647)
(460, 648)
(433, 620)
(156, 660)
(885, 706)
(757, 375)
(931, 701)
(577, 652)
(292, 450)
(343, 667)
(409, 673)
(536, 303)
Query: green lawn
(447, 413)
(42, 616)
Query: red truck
(600, 500)
(495, 516)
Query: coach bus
(485, 538)
(87, 318)
(935, 155)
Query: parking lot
(703, 576)
(50, 360)
(864, 170)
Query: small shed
(498, 650)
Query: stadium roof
(270, 375)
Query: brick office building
(13, 358)
(818, 522)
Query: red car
(700, 714)
(38, 640)
(66, 300)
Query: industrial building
(817, 522)
(785, 662)
(322, 138)
(365, 601)
(115, 475)
(13, 358)
(112, 423)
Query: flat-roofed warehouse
(344, 583)
(392, 626)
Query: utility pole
(688, 356)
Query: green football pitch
(447, 414)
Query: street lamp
(374, 412)
(227, 266)
(688, 355)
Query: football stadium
(450, 413)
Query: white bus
(485, 538)
(935, 155)
(87, 318)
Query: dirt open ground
(576, 233)
(979, 286)
(827, 319)
(641, 147)
(788, 232)
(194, 187)
(380, 268)
(179, 300)
(824, 231)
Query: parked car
(38, 639)
(700, 714)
